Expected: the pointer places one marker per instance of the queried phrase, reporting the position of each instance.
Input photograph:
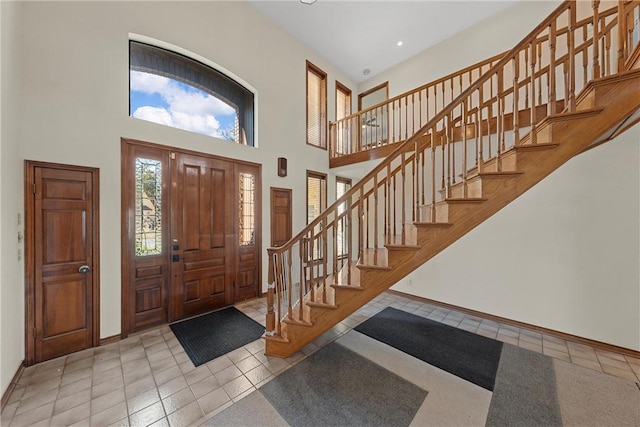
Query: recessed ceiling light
(308, 1)
(399, 43)
(366, 71)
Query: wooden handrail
(543, 72)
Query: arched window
(174, 90)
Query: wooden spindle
(572, 57)
(464, 147)
(375, 212)
(325, 257)
(360, 220)
(532, 84)
(403, 194)
(448, 131)
(270, 324)
(388, 201)
(432, 207)
(551, 102)
(595, 4)
(516, 91)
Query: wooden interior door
(62, 268)
(202, 235)
(281, 220)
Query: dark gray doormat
(337, 387)
(211, 335)
(469, 356)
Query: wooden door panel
(70, 293)
(63, 212)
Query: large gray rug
(358, 380)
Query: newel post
(271, 287)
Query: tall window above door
(171, 89)
(316, 106)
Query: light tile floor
(148, 379)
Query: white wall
(11, 269)
(565, 255)
(73, 98)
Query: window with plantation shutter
(316, 106)
(343, 101)
(316, 203)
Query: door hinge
(172, 155)
(34, 188)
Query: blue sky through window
(170, 102)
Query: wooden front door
(202, 222)
(62, 269)
(280, 216)
(190, 239)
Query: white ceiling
(357, 34)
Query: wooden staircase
(435, 188)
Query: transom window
(171, 89)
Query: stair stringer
(562, 136)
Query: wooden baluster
(311, 262)
(526, 92)
(432, 207)
(607, 53)
(451, 86)
(539, 48)
(424, 182)
(349, 237)
(385, 208)
(337, 222)
(533, 88)
(516, 92)
(501, 112)
(360, 220)
(622, 36)
(416, 178)
(480, 158)
(420, 124)
(489, 129)
(572, 57)
(388, 200)
(595, 4)
(449, 131)
(551, 103)
(325, 254)
(585, 58)
(375, 212)
(443, 185)
(406, 118)
(426, 106)
(395, 208)
(464, 147)
(365, 223)
(403, 195)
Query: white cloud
(186, 109)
